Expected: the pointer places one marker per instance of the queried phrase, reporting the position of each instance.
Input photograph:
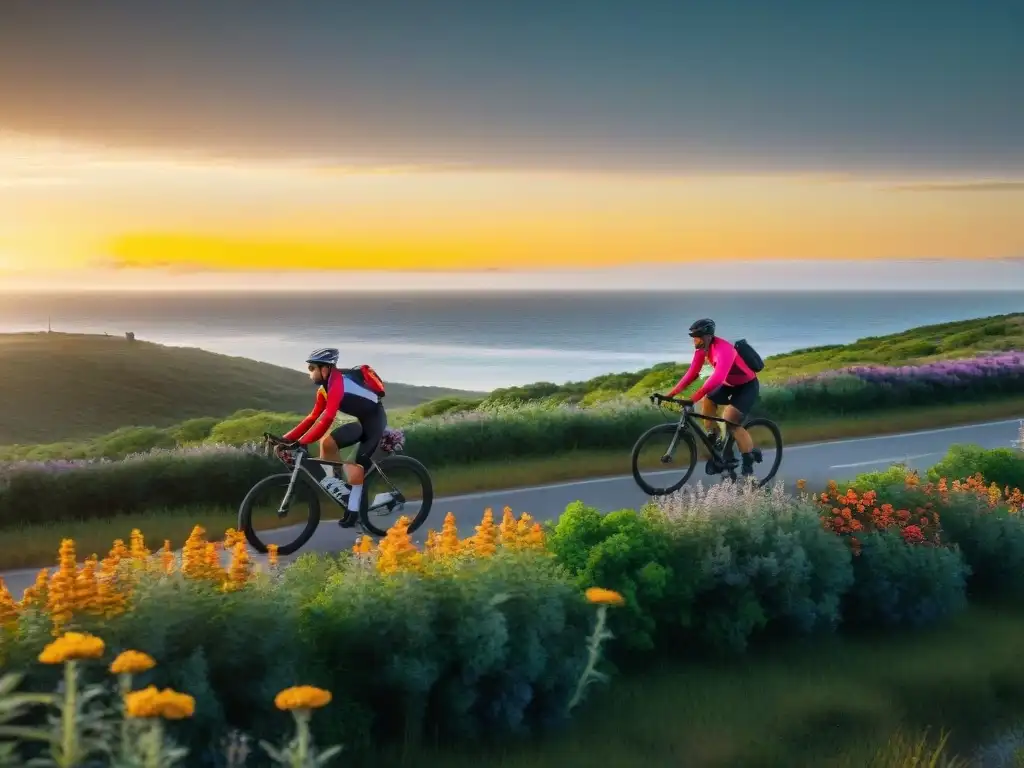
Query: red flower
(912, 534)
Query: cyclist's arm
(320, 426)
(307, 422)
(691, 373)
(726, 356)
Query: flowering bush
(982, 520)
(854, 515)
(85, 729)
(768, 563)
(1002, 466)
(867, 387)
(904, 572)
(463, 636)
(709, 566)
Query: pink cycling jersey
(730, 369)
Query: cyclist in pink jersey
(732, 384)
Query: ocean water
(487, 340)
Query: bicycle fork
(667, 457)
(282, 511)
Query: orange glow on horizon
(73, 206)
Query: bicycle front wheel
(767, 448)
(261, 511)
(661, 456)
(397, 485)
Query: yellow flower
(485, 543)
(801, 484)
(110, 598)
(60, 596)
(241, 566)
(36, 595)
(508, 528)
(600, 596)
(150, 702)
(193, 554)
(72, 646)
(302, 697)
(138, 549)
(363, 545)
(397, 552)
(132, 663)
(449, 543)
(433, 545)
(86, 586)
(8, 608)
(119, 551)
(272, 555)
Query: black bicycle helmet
(325, 356)
(703, 327)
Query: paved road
(815, 462)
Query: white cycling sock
(354, 498)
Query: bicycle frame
(300, 464)
(690, 421)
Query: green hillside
(57, 387)
(925, 343)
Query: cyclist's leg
(330, 450)
(373, 427)
(710, 406)
(743, 399)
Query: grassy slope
(68, 386)
(923, 344)
(917, 345)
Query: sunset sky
(176, 139)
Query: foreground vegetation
(491, 637)
(862, 701)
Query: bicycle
(684, 430)
(301, 483)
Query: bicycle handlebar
(686, 404)
(280, 441)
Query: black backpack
(749, 355)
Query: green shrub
(633, 554)
(208, 476)
(494, 647)
(1002, 466)
(896, 583)
(194, 430)
(709, 567)
(768, 565)
(443, 407)
(250, 428)
(990, 539)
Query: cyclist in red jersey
(732, 384)
(338, 392)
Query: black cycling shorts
(741, 397)
(367, 432)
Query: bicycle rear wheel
(767, 448)
(397, 485)
(259, 510)
(651, 452)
